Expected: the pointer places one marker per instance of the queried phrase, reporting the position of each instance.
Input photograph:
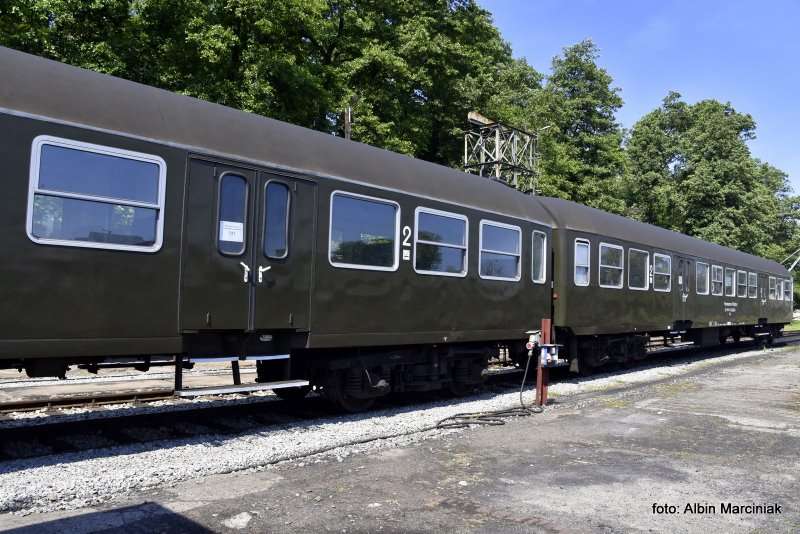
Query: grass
(794, 326)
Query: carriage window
(716, 280)
(771, 288)
(662, 272)
(440, 244)
(788, 290)
(232, 213)
(276, 220)
(730, 286)
(93, 196)
(582, 261)
(752, 285)
(539, 257)
(500, 251)
(363, 232)
(741, 284)
(611, 265)
(701, 278)
(638, 267)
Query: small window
(440, 244)
(582, 261)
(771, 288)
(752, 285)
(662, 272)
(716, 280)
(364, 232)
(638, 269)
(93, 196)
(539, 257)
(500, 251)
(730, 285)
(701, 278)
(232, 213)
(788, 290)
(276, 220)
(741, 284)
(611, 263)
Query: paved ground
(598, 462)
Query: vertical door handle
(261, 271)
(246, 269)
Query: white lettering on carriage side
(730, 307)
(406, 237)
(231, 231)
(406, 254)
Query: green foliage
(691, 171)
(411, 70)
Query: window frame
(34, 189)
(697, 265)
(545, 255)
(788, 285)
(465, 247)
(749, 277)
(733, 282)
(738, 272)
(772, 288)
(481, 250)
(646, 270)
(600, 265)
(669, 257)
(721, 280)
(218, 218)
(287, 219)
(588, 243)
(397, 229)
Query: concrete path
(601, 462)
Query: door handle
(246, 274)
(261, 271)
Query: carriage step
(225, 390)
(215, 359)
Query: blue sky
(746, 53)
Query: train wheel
(292, 394)
(334, 391)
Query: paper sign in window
(231, 231)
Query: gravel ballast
(80, 479)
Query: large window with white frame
(741, 284)
(364, 232)
(716, 280)
(582, 260)
(662, 272)
(788, 290)
(779, 289)
(638, 269)
(86, 195)
(752, 285)
(702, 276)
(500, 251)
(441, 243)
(611, 266)
(539, 257)
(772, 288)
(730, 282)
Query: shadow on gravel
(146, 517)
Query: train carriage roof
(578, 217)
(57, 91)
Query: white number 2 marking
(406, 236)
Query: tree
(583, 158)
(691, 171)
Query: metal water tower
(501, 152)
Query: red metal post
(542, 373)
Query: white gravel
(81, 479)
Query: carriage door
(246, 250)
(284, 252)
(683, 295)
(763, 289)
